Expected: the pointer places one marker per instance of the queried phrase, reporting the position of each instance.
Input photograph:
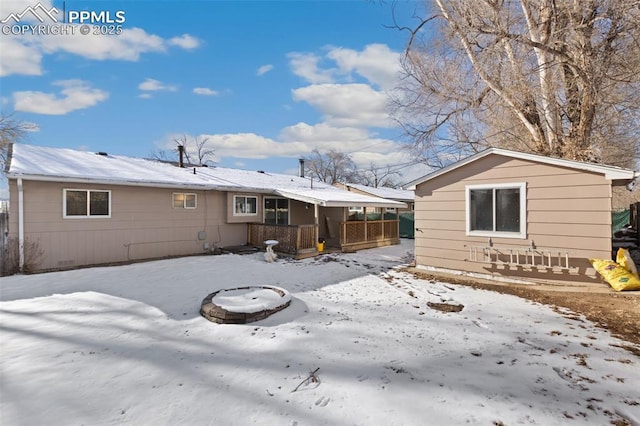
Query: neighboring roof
(32, 162)
(609, 172)
(383, 192)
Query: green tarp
(407, 225)
(619, 219)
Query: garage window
(496, 210)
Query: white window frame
(356, 209)
(88, 215)
(391, 210)
(522, 186)
(245, 197)
(184, 201)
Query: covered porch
(334, 226)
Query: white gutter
(171, 185)
(21, 224)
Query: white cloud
(185, 41)
(347, 105)
(305, 65)
(30, 127)
(250, 145)
(205, 91)
(75, 95)
(145, 96)
(264, 69)
(127, 46)
(377, 63)
(322, 133)
(152, 85)
(23, 55)
(19, 58)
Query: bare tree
(376, 177)
(196, 147)
(555, 77)
(11, 131)
(332, 167)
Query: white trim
(88, 215)
(245, 197)
(21, 224)
(522, 186)
(609, 172)
(184, 201)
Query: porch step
(243, 249)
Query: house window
(391, 209)
(276, 211)
(86, 203)
(496, 210)
(183, 200)
(356, 210)
(245, 206)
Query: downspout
(21, 224)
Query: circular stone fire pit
(244, 304)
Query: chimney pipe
(301, 170)
(181, 152)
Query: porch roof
(327, 197)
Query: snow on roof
(58, 164)
(609, 172)
(32, 162)
(383, 192)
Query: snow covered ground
(126, 345)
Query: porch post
(345, 217)
(316, 221)
(366, 238)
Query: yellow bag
(623, 257)
(618, 277)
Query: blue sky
(265, 81)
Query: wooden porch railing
(369, 233)
(292, 239)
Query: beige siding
(301, 213)
(143, 224)
(567, 211)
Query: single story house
(83, 208)
(516, 215)
(401, 195)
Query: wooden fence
(372, 233)
(292, 239)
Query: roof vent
(261, 171)
(102, 153)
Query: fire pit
(243, 305)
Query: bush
(11, 257)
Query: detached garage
(516, 215)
